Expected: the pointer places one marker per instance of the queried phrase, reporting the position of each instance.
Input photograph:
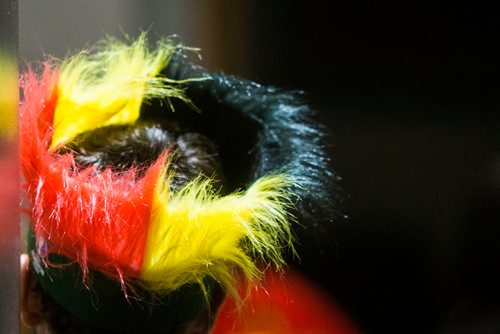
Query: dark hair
(125, 146)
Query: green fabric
(103, 304)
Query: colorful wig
(132, 247)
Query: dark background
(9, 174)
(410, 94)
(409, 91)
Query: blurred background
(409, 91)
(9, 173)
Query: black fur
(285, 138)
(245, 129)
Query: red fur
(100, 220)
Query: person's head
(138, 217)
(121, 148)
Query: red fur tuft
(98, 219)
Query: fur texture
(195, 233)
(129, 224)
(286, 137)
(109, 86)
(96, 219)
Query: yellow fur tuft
(108, 87)
(196, 233)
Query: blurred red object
(9, 200)
(285, 305)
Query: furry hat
(117, 237)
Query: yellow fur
(197, 233)
(108, 87)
